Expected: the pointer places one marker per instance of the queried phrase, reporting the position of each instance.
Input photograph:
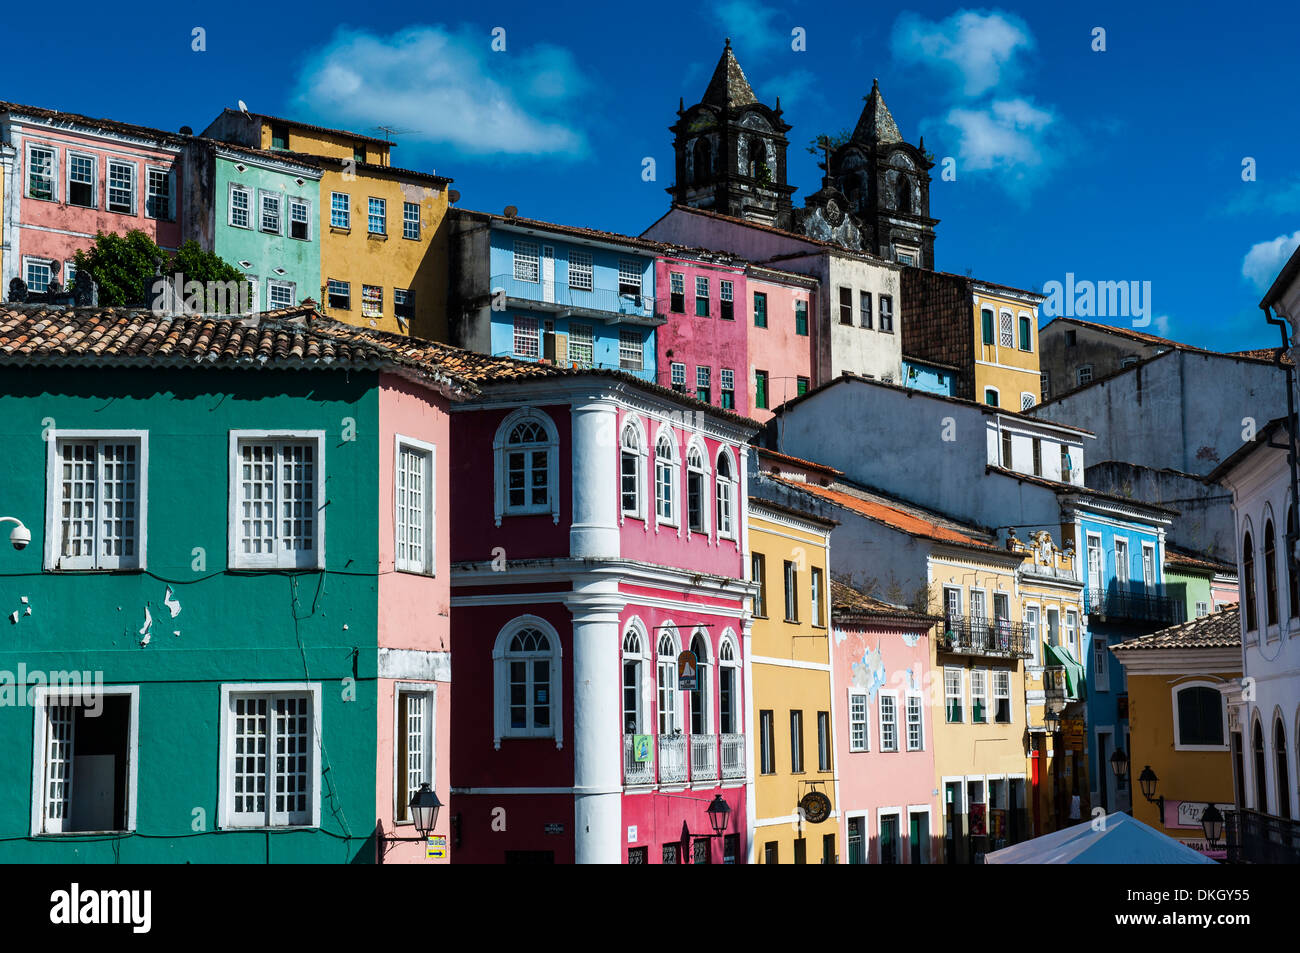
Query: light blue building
(544, 292)
(1121, 547)
(929, 376)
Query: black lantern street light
(1212, 825)
(719, 812)
(1147, 780)
(1052, 721)
(1119, 765)
(424, 806)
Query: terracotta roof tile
(848, 602)
(1218, 630)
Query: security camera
(20, 536)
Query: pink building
(598, 533)
(701, 350)
(781, 333)
(74, 176)
(414, 669)
(883, 737)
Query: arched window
(729, 720)
(526, 448)
(634, 658)
(726, 489)
(1270, 575)
(1261, 783)
(526, 662)
(697, 482)
(1199, 717)
(632, 470)
(1248, 581)
(703, 161)
(666, 679)
(1283, 773)
(757, 158)
(665, 480)
(700, 696)
(903, 195)
(1292, 577)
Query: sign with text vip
(686, 663)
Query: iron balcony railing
(976, 635)
(733, 757)
(1256, 838)
(634, 771)
(672, 759)
(704, 757)
(684, 758)
(1137, 605)
(626, 301)
(1055, 687)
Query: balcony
(976, 635)
(1255, 838)
(1134, 605)
(685, 759)
(611, 305)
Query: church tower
(730, 151)
(886, 183)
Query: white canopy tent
(1123, 840)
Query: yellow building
(1178, 723)
(978, 699)
(383, 233)
(789, 694)
(1006, 346)
(1052, 608)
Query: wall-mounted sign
(1073, 733)
(631, 833)
(555, 828)
(1187, 814)
(686, 663)
(436, 847)
(815, 806)
(641, 747)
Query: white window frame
(1036, 631)
(263, 196)
(817, 594)
(54, 561)
(427, 566)
(704, 471)
(960, 695)
(996, 393)
(908, 699)
(345, 212)
(529, 255)
(1116, 543)
(48, 263)
(1079, 372)
(980, 695)
(69, 273)
(40, 699)
(725, 492)
(527, 329)
(230, 206)
(864, 721)
(668, 717)
(1227, 737)
(54, 174)
(1006, 329)
(375, 308)
(501, 683)
(674, 379)
(226, 817)
(580, 344)
(1069, 622)
(631, 272)
(108, 191)
(1027, 400)
(627, 340)
(429, 732)
(170, 173)
(69, 155)
(669, 514)
(298, 559)
(499, 448)
(408, 221)
(891, 721)
(277, 283)
(581, 268)
(994, 696)
(1100, 663)
(347, 289)
(642, 658)
(300, 201)
(1149, 579)
(382, 215)
(641, 452)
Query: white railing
(672, 758)
(704, 757)
(733, 757)
(634, 771)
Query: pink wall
(1224, 595)
(872, 658)
(777, 349)
(57, 221)
(713, 342)
(414, 610)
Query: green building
(1203, 584)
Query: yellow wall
(1019, 370)
(359, 258)
(782, 688)
(318, 143)
(1184, 775)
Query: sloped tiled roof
(1218, 630)
(109, 125)
(1269, 354)
(1078, 490)
(595, 234)
(313, 128)
(807, 464)
(876, 124)
(847, 602)
(1190, 560)
(728, 88)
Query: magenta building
(598, 532)
(702, 347)
(74, 176)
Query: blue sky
(1125, 164)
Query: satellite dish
(243, 108)
(511, 211)
(453, 196)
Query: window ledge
(341, 230)
(377, 236)
(410, 239)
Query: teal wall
(234, 627)
(300, 259)
(1188, 587)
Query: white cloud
(796, 86)
(751, 27)
(1008, 136)
(447, 88)
(1265, 259)
(979, 50)
(1160, 326)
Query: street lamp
(1212, 824)
(1148, 781)
(719, 812)
(424, 805)
(1052, 721)
(1119, 764)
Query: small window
(1071, 337)
(340, 210)
(1127, 361)
(846, 306)
(823, 741)
(40, 173)
(791, 592)
(1007, 335)
(915, 724)
(991, 396)
(359, 152)
(677, 295)
(280, 294)
(339, 294)
(275, 484)
(1083, 375)
(158, 195)
(696, 482)
(701, 297)
(85, 759)
(1027, 400)
(97, 497)
(1045, 384)
(269, 217)
(411, 220)
(767, 748)
(39, 274)
(727, 382)
(703, 390)
(758, 574)
(1026, 333)
(864, 308)
(986, 325)
(630, 470)
(1007, 459)
(796, 741)
(726, 300)
(300, 219)
(1038, 456)
(525, 464)
(887, 314)
(413, 736)
(279, 135)
(818, 597)
(858, 729)
(888, 722)
(404, 304)
(413, 506)
(82, 180)
(760, 309)
(526, 338)
(581, 275)
(372, 301)
(630, 350)
(979, 696)
(629, 277)
(801, 318)
(725, 497)
(760, 390)
(1202, 609)
(377, 216)
(241, 202)
(954, 703)
(121, 187)
(1200, 717)
(582, 345)
(679, 377)
(1002, 697)
(1100, 659)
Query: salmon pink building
(781, 336)
(75, 176)
(881, 660)
(598, 533)
(702, 347)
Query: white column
(594, 531)
(597, 729)
(751, 742)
